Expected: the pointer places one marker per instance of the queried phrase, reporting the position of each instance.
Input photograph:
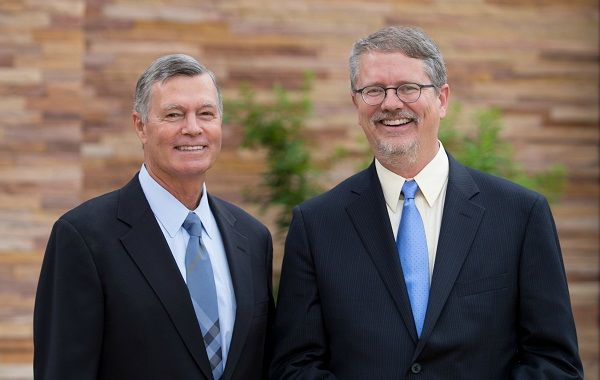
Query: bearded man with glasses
(419, 267)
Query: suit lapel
(145, 244)
(460, 221)
(366, 211)
(240, 266)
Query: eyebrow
(397, 84)
(176, 106)
(169, 107)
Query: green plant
(485, 150)
(277, 127)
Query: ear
(140, 127)
(352, 95)
(443, 99)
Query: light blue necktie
(201, 283)
(414, 258)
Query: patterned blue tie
(201, 283)
(414, 258)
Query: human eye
(207, 114)
(173, 116)
(408, 89)
(373, 91)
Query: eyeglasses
(407, 93)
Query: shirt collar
(169, 211)
(206, 216)
(431, 180)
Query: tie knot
(410, 189)
(192, 224)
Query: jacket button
(415, 368)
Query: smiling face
(403, 136)
(182, 137)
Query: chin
(192, 171)
(407, 152)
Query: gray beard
(398, 155)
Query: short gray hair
(408, 40)
(162, 69)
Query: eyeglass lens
(374, 95)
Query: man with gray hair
(419, 267)
(159, 279)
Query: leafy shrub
(277, 128)
(485, 150)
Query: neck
(407, 165)
(187, 191)
(402, 168)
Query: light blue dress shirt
(170, 214)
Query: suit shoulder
(93, 209)
(493, 182)
(340, 193)
(241, 215)
(94, 220)
(498, 190)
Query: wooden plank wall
(68, 69)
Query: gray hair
(161, 70)
(408, 40)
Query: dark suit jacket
(112, 304)
(498, 307)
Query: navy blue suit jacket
(498, 307)
(112, 304)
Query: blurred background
(68, 70)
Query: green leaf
(277, 128)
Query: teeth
(190, 148)
(396, 122)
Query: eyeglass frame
(385, 90)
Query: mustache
(381, 115)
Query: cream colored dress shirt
(432, 181)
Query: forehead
(185, 90)
(390, 68)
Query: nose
(391, 100)
(192, 126)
